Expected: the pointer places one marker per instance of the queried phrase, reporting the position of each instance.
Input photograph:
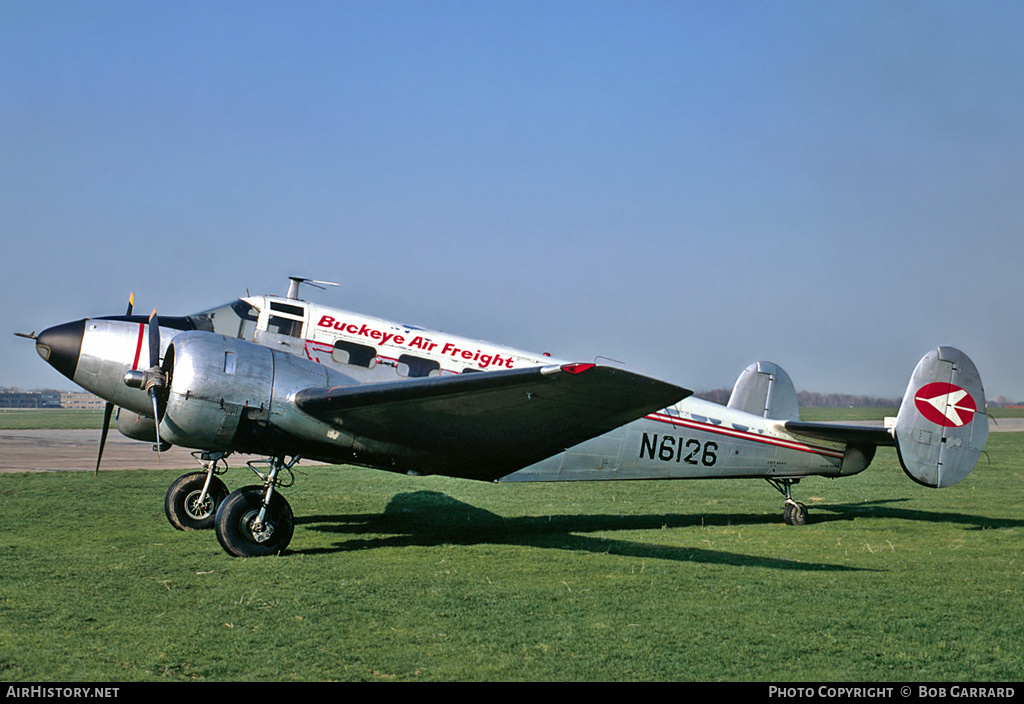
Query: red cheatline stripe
(138, 346)
(720, 430)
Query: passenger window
(415, 367)
(354, 353)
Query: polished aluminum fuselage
(226, 393)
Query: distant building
(81, 400)
(30, 399)
(78, 400)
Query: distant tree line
(16, 390)
(810, 399)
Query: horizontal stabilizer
(860, 435)
(489, 424)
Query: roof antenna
(296, 281)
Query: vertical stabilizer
(941, 427)
(765, 389)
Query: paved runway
(75, 450)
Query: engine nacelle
(135, 426)
(214, 381)
(227, 394)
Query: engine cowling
(226, 394)
(215, 382)
(135, 426)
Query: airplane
(286, 379)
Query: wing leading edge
(487, 425)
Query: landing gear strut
(256, 520)
(794, 513)
(192, 500)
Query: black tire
(236, 515)
(794, 513)
(183, 508)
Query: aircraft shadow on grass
(887, 508)
(432, 518)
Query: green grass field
(433, 579)
(64, 419)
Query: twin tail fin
(942, 426)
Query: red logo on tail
(945, 404)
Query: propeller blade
(107, 412)
(156, 417)
(154, 340)
(108, 409)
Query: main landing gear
(193, 499)
(250, 521)
(794, 513)
(256, 520)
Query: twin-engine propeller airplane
(286, 379)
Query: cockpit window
(235, 319)
(286, 319)
(287, 309)
(284, 326)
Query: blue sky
(684, 186)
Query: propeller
(157, 377)
(108, 409)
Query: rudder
(941, 426)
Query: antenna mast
(295, 281)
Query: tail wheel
(187, 508)
(794, 513)
(242, 534)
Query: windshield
(235, 319)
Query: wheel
(182, 505)
(235, 527)
(794, 513)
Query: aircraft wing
(849, 434)
(489, 424)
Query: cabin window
(415, 367)
(353, 353)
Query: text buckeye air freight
(285, 378)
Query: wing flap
(489, 424)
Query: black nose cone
(61, 346)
